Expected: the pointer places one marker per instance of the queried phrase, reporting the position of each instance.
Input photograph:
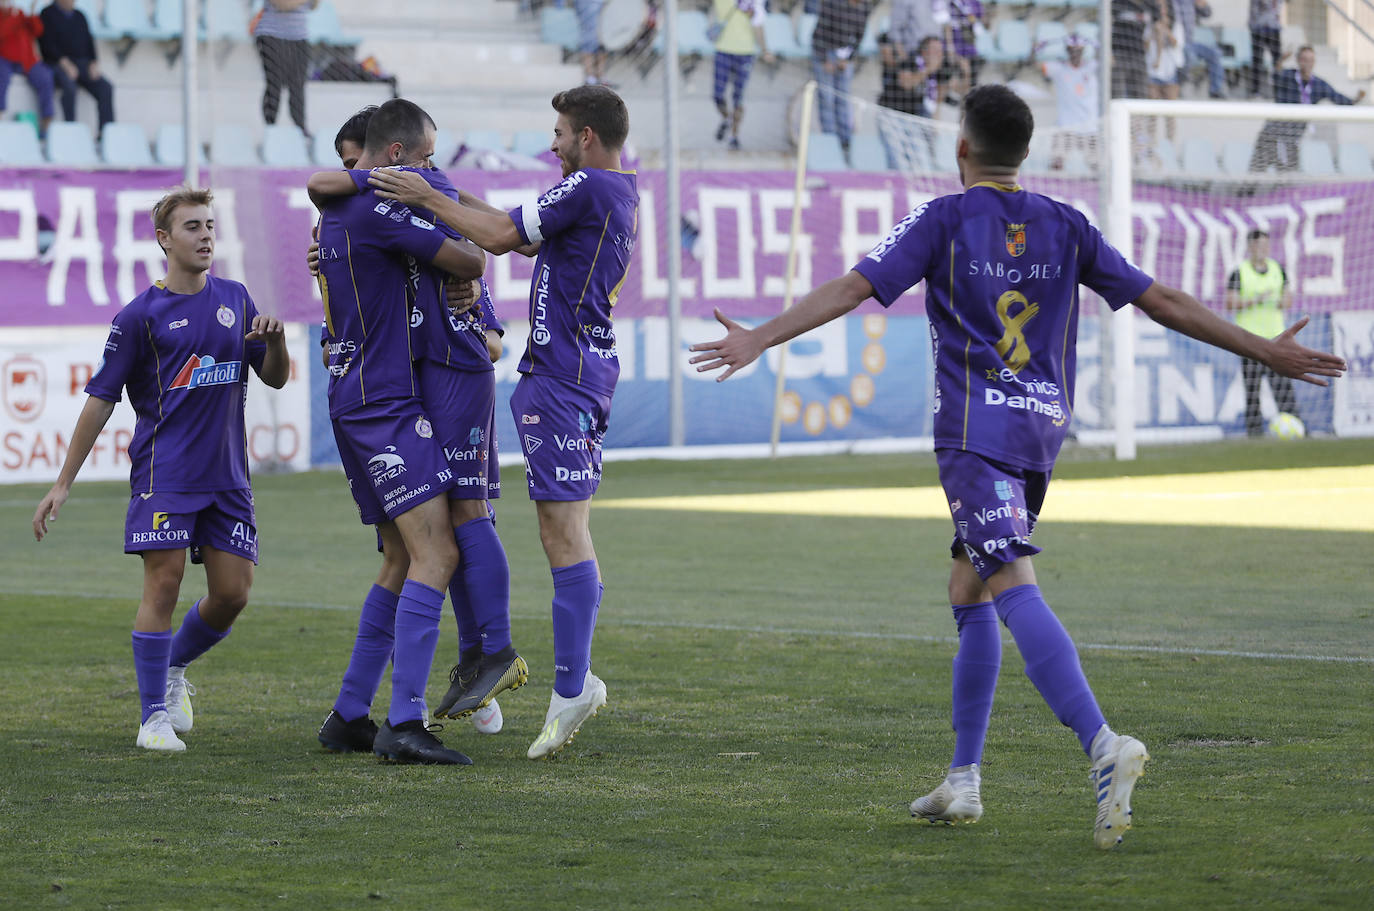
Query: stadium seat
(323, 27)
(1166, 155)
(1081, 4)
(169, 147)
(283, 146)
(1199, 157)
(1206, 36)
(877, 25)
(1091, 33)
(487, 140)
(1354, 160)
(867, 153)
(19, 143)
(71, 144)
(1237, 39)
(558, 25)
(1314, 158)
(1235, 157)
(691, 34)
(1049, 40)
(95, 19)
(1013, 42)
(226, 19)
(167, 19)
(531, 142)
(806, 29)
(1076, 164)
(125, 145)
(781, 39)
(823, 153)
(232, 145)
(322, 150)
(126, 19)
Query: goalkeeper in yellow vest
(1258, 293)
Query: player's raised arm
(326, 185)
(481, 205)
(1182, 312)
(95, 414)
(741, 347)
(493, 232)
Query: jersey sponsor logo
(1029, 271)
(179, 324)
(1003, 490)
(529, 419)
(454, 454)
(571, 444)
(225, 315)
(424, 428)
(585, 422)
(386, 466)
(419, 222)
(244, 537)
(1016, 239)
(475, 436)
(204, 371)
(393, 498)
(574, 474)
(539, 315)
(606, 354)
(1034, 386)
(532, 444)
(382, 208)
(563, 189)
(417, 318)
(894, 235)
(1052, 409)
(173, 535)
(1006, 511)
(1012, 346)
(160, 520)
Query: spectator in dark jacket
(834, 46)
(1299, 86)
(69, 51)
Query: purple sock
(469, 635)
(1051, 660)
(417, 633)
(486, 574)
(371, 652)
(150, 666)
(194, 638)
(975, 679)
(576, 593)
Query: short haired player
(182, 350)
(582, 232)
(1002, 268)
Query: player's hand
(312, 257)
(403, 186)
(47, 509)
(737, 350)
(1298, 362)
(267, 328)
(461, 294)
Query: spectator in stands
(962, 20)
(1258, 293)
(911, 22)
(1164, 58)
(282, 34)
(912, 82)
(1265, 27)
(1130, 21)
(19, 32)
(835, 44)
(1077, 97)
(739, 42)
(589, 40)
(1294, 86)
(1191, 13)
(69, 51)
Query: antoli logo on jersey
(539, 332)
(203, 371)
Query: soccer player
(370, 255)
(181, 349)
(583, 232)
(1002, 268)
(471, 344)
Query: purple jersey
(370, 252)
(184, 360)
(1002, 269)
(586, 229)
(458, 341)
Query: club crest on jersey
(1016, 239)
(424, 428)
(203, 371)
(225, 316)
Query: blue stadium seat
(1199, 157)
(167, 19)
(226, 19)
(823, 153)
(95, 19)
(867, 153)
(531, 142)
(71, 144)
(1013, 42)
(169, 146)
(487, 140)
(1237, 38)
(868, 45)
(232, 145)
(1314, 158)
(1354, 160)
(323, 27)
(126, 18)
(781, 39)
(125, 145)
(19, 143)
(558, 25)
(1049, 40)
(691, 34)
(1090, 32)
(1235, 157)
(284, 146)
(1081, 4)
(322, 150)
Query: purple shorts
(561, 427)
(391, 458)
(462, 405)
(994, 506)
(171, 521)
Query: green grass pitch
(817, 648)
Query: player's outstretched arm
(476, 202)
(492, 232)
(1181, 312)
(276, 365)
(741, 347)
(325, 185)
(94, 415)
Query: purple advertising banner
(77, 244)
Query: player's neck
(602, 160)
(184, 281)
(1001, 177)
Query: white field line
(798, 631)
